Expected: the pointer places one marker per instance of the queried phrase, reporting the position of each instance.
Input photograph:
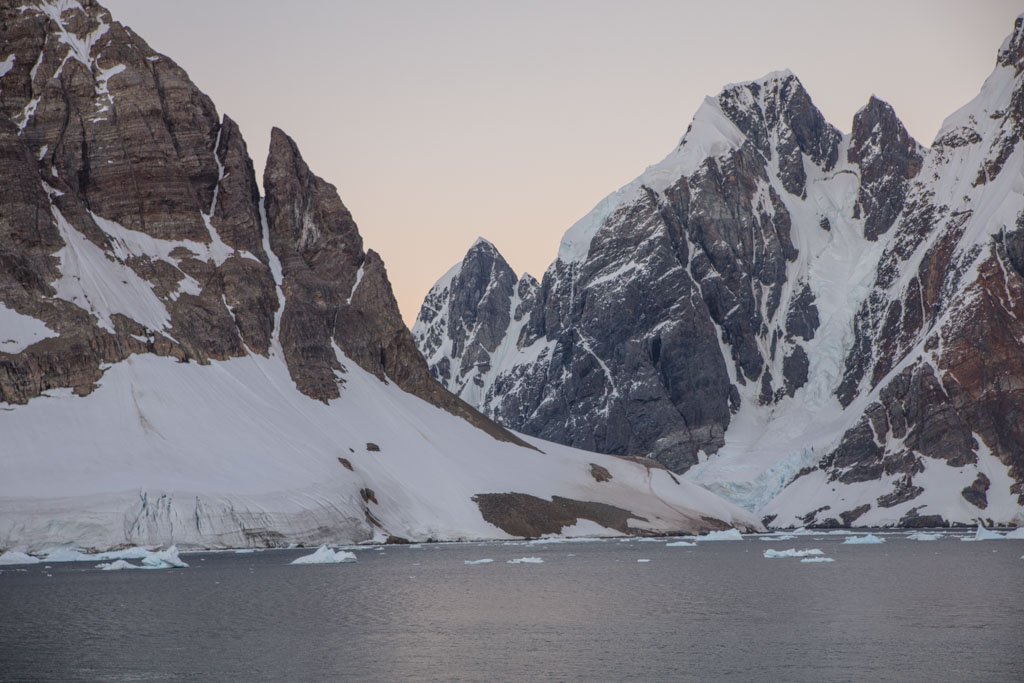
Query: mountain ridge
(739, 307)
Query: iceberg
(486, 560)
(792, 552)
(680, 544)
(870, 539)
(526, 560)
(983, 534)
(164, 559)
(325, 555)
(923, 536)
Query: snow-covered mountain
(825, 327)
(184, 360)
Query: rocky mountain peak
(888, 158)
(466, 316)
(777, 116)
(483, 244)
(311, 225)
(1011, 52)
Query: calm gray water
(902, 611)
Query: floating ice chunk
(780, 537)
(792, 552)
(924, 536)
(680, 544)
(325, 555)
(1017, 534)
(870, 539)
(643, 560)
(810, 560)
(245, 551)
(526, 560)
(983, 534)
(486, 560)
(414, 546)
(164, 559)
(14, 557)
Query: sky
(443, 121)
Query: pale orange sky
(442, 121)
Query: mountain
(825, 327)
(185, 360)
(472, 319)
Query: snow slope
(229, 455)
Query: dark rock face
(851, 516)
(888, 159)
(777, 116)
(95, 124)
(321, 253)
(470, 316)
(600, 474)
(975, 494)
(772, 270)
(519, 514)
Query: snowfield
(231, 455)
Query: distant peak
(528, 279)
(1011, 52)
(876, 126)
(767, 96)
(481, 242)
(875, 107)
(770, 77)
(278, 135)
